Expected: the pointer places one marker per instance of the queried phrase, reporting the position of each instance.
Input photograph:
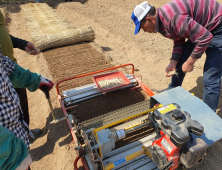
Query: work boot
(36, 132)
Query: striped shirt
(192, 19)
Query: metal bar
(146, 141)
(137, 87)
(71, 107)
(137, 126)
(127, 158)
(127, 118)
(50, 105)
(145, 88)
(84, 163)
(149, 166)
(71, 128)
(137, 163)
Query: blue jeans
(212, 68)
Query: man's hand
(188, 65)
(47, 82)
(171, 67)
(30, 48)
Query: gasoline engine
(175, 141)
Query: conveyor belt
(114, 115)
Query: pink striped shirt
(192, 19)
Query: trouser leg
(177, 79)
(213, 72)
(23, 103)
(212, 84)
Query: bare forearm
(191, 60)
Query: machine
(170, 144)
(176, 126)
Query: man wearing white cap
(198, 21)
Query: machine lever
(45, 89)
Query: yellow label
(165, 109)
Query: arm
(18, 43)
(23, 78)
(177, 51)
(24, 45)
(186, 27)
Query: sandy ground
(115, 44)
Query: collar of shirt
(158, 22)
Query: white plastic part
(106, 141)
(121, 134)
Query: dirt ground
(115, 44)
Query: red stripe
(169, 11)
(182, 7)
(192, 25)
(180, 23)
(178, 50)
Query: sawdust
(115, 44)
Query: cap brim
(137, 29)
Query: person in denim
(212, 68)
(198, 21)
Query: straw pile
(47, 29)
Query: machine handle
(45, 89)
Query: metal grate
(114, 115)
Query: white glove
(46, 82)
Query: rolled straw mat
(47, 29)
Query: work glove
(46, 82)
(31, 49)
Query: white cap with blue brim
(139, 13)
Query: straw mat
(47, 29)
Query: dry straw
(48, 30)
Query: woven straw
(47, 30)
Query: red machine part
(171, 151)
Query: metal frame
(146, 89)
